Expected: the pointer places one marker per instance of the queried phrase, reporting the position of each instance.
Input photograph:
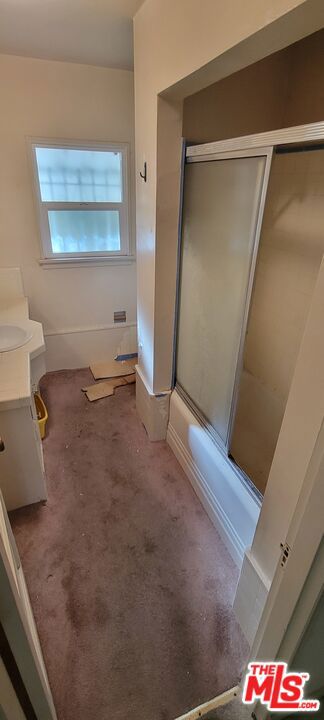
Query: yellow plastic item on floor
(42, 415)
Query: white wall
(64, 100)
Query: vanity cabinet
(22, 475)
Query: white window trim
(50, 259)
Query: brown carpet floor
(130, 583)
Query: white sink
(13, 337)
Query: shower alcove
(250, 251)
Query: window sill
(86, 261)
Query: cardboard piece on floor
(102, 389)
(96, 392)
(112, 368)
(130, 378)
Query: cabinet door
(21, 651)
(22, 477)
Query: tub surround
(231, 505)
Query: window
(83, 199)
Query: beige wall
(282, 90)
(300, 441)
(305, 98)
(63, 100)
(289, 258)
(249, 101)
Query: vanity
(22, 364)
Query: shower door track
(241, 475)
(286, 136)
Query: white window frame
(47, 255)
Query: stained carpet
(130, 583)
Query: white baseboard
(233, 509)
(77, 348)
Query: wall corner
(153, 409)
(251, 594)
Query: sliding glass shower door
(222, 209)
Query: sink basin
(13, 337)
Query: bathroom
(126, 530)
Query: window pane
(67, 175)
(84, 231)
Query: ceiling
(96, 32)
